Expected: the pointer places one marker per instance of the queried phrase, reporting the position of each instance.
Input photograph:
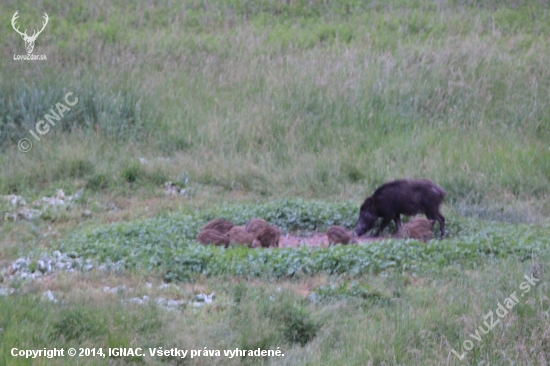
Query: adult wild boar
(405, 196)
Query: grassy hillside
(393, 319)
(276, 99)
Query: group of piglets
(256, 233)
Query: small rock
(20, 264)
(169, 309)
(28, 214)
(207, 299)
(77, 195)
(141, 301)
(41, 265)
(15, 200)
(171, 189)
(86, 213)
(120, 288)
(172, 304)
(136, 300)
(58, 200)
(4, 291)
(49, 295)
(110, 206)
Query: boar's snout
(360, 229)
(365, 223)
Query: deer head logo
(29, 41)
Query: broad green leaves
(168, 244)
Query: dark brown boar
(338, 235)
(418, 228)
(405, 196)
(269, 237)
(221, 225)
(212, 236)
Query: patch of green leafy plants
(168, 244)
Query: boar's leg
(439, 218)
(397, 220)
(385, 222)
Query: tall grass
(316, 99)
(394, 319)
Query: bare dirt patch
(319, 240)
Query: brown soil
(319, 240)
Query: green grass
(31, 323)
(394, 319)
